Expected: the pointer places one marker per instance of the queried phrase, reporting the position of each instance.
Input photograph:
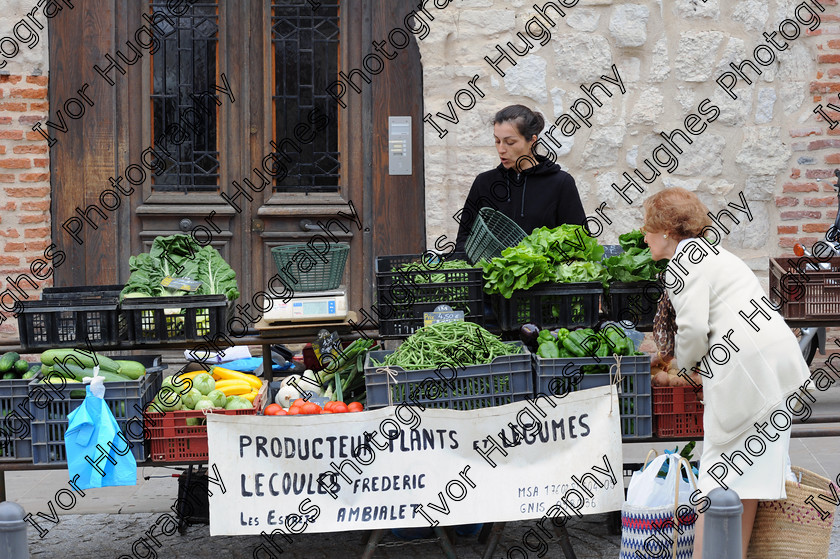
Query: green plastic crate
(322, 276)
(492, 232)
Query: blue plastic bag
(249, 364)
(97, 451)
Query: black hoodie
(540, 196)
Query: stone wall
(669, 55)
(24, 156)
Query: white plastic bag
(647, 490)
(653, 519)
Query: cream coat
(746, 373)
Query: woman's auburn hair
(676, 211)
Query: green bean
(449, 343)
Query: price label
(442, 313)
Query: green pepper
(562, 333)
(575, 342)
(548, 350)
(545, 336)
(617, 342)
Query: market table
(303, 333)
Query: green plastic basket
(321, 276)
(492, 232)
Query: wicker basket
(793, 529)
(492, 232)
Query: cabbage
(217, 397)
(204, 383)
(190, 398)
(167, 400)
(239, 403)
(204, 404)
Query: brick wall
(807, 205)
(24, 186)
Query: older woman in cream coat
(748, 358)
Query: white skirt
(763, 479)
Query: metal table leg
(445, 543)
(565, 542)
(493, 540)
(375, 537)
(485, 532)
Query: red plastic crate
(677, 412)
(172, 440)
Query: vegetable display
(13, 367)
(73, 365)
(179, 256)
(664, 372)
(585, 342)
(342, 379)
(635, 263)
(224, 389)
(462, 343)
(427, 272)
(563, 254)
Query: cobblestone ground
(113, 536)
(118, 536)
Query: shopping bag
(646, 489)
(656, 519)
(97, 451)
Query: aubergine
(529, 333)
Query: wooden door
(226, 132)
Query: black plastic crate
(550, 305)
(633, 304)
(15, 434)
(68, 316)
(192, 318)
(49, 406)
(507, 379)
(634, 393)
(403, 297)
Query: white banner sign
(403, 467)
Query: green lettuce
(563, 254)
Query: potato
(697, 379)
(677, 381)
(661, 379)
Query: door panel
(122, 127)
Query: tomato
(326, 411)
(339, 407)
(355, 406)
(294, 410)
(329, 405)
(273, 409)
(310, 408)
(298, 402)
(282, 412)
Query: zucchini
(8, 361)
(131, 369)
(74, 371)
(21, 366)
(76, 357)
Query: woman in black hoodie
(528, 188)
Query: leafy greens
(180, 256)
(635, 263)
(563, 254)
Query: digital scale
(310, 306)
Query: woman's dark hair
(529, 123)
